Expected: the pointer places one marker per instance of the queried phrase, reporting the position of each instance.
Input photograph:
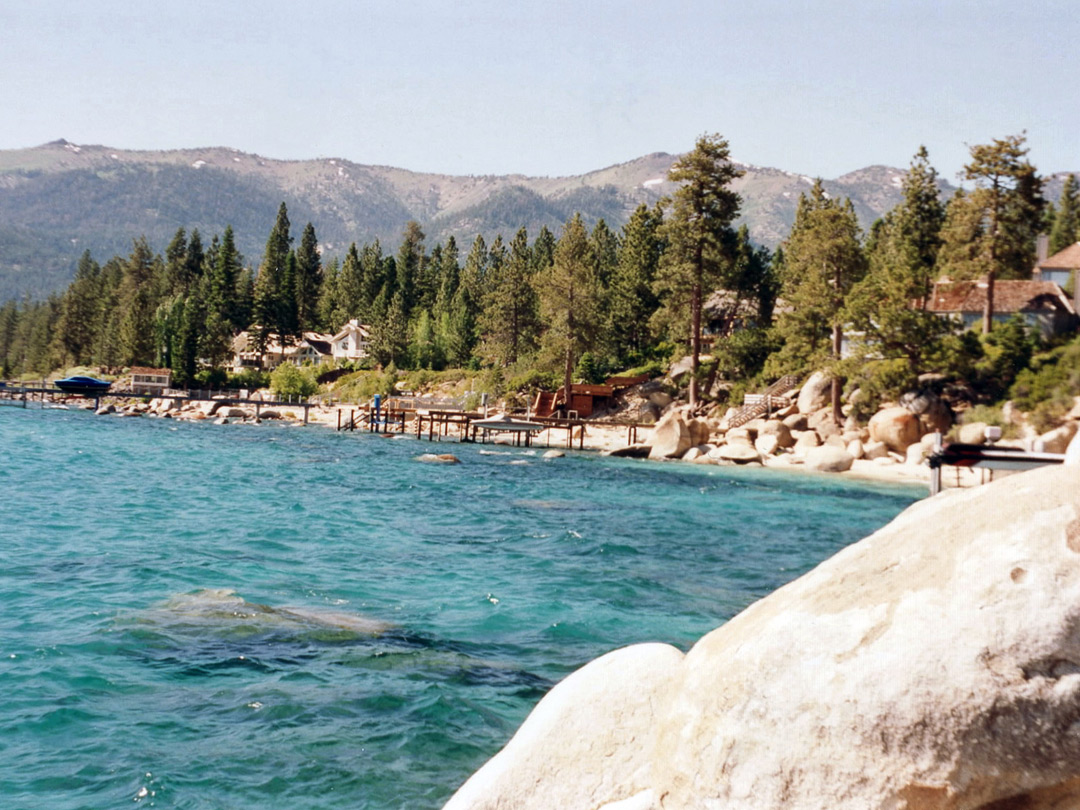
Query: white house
(352, 342)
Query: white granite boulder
(934, 665)
(972, 433)
(828, 458)
(739, 452)
(815, 393)
(672, 436)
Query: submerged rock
(439, 458)
(932, 665)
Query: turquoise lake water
(205, 616)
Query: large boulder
(774, 427)
(699, 430)
(738, 452)
(822, 421)
(972, 433)
(1057, 440)
(934, 413)
(671, 437)
(805, 440)
(934, 665)
(897, 427)
(815, 394)
(828, 458)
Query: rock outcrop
(934, 665)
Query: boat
(83, 386)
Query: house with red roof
(1043, 305)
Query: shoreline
(600, 439)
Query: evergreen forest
(542, 309)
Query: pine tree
(350, 289)
(1005, 209)
(823, 260)
(224, 274)
(308, 280)
(194, 261)
(410, 267)
(509, 320)
(175, 259)
(702, 210)
(328, 299)
(375, 275)
(889, 305)
(269, 287)
(79, 312)
(137, 305)
(459, 332)
(631, 300)
(570, 300)
(1066, 230)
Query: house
(151, 381)
(352, 342)
(1042, 304)
(1061, 268)
(313, 348)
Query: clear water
(130, 675)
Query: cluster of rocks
(218, 410)
(803, 433)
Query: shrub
(289, 381)
(249, 378)
(211, 378)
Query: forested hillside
(60, 199)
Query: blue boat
(85, 386)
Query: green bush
(249, 378)
(288, 381)
(211, 378)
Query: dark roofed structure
(1042, 304)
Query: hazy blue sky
(546, 88)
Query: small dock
(469, 426)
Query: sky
(546, 88)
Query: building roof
(351, 327)
(1067, 259)
(1009, 297)
(156, 372)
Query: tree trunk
(988, 309)
(837, 345)
(567, 378)
(695, 343)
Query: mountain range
(61, 198)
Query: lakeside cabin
(150, 381)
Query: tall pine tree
(702, 210)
